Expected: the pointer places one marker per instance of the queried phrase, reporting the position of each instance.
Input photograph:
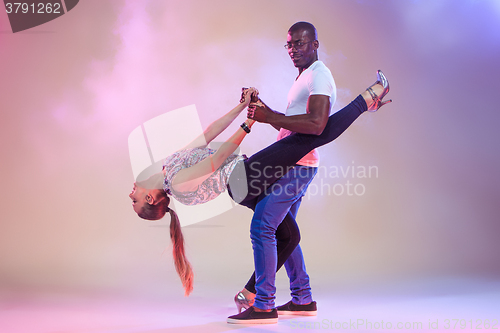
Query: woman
(196, 175)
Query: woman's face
(138, 196)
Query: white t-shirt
(315, 80)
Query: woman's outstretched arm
(218, 126)
(188, 180)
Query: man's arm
(313, 122)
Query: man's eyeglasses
(297, 45)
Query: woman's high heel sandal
(377, 100)
(242, 302)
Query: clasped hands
(256, 110)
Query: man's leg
(287, 239)
(300, 288)
(269, 213)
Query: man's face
(302, 48)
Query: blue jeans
(283, 197)
(295, 266)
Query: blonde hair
(181, 264)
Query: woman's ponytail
(182, 265)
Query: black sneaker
(291, 308)
(250, 316)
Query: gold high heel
(377, 100)
(242, 302)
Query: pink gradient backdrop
(73, 89)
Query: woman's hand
(249, 122)
(249, 95)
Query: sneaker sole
(252, 321)
(297, 313)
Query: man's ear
(149, 199)
(316, 44)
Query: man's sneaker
(291, 308)
(250, 316)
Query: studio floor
(437, 305)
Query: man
(309, 103)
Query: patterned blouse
(211, 188)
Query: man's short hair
(311, 30)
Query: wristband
(245, 127)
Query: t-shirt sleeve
(321, 83)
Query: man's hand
(260, 112)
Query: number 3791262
(477, 324)
(39, 8)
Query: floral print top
(211, 188)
